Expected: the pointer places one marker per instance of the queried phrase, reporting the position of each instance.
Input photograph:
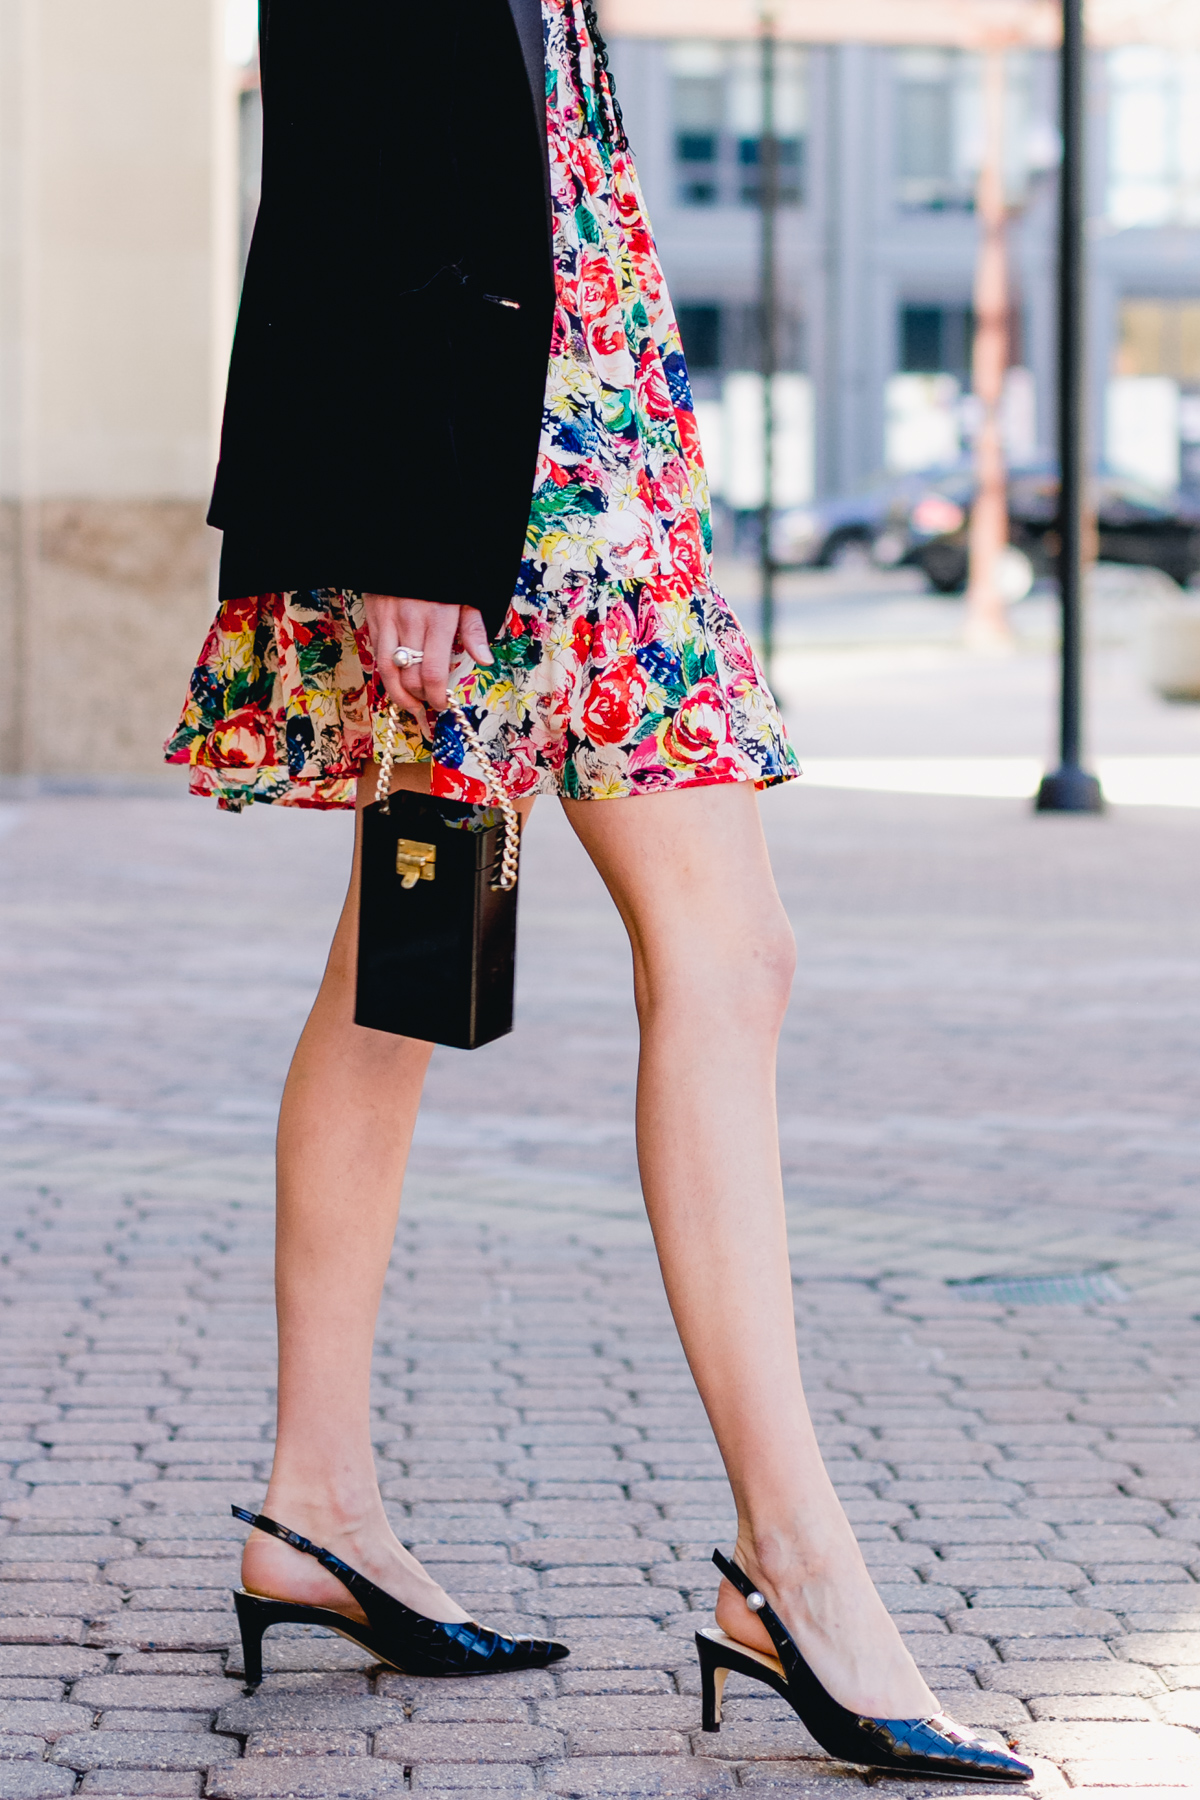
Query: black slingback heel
(935, 1746)
(404, 1639)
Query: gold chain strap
(510, 858)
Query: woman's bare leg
(345, 1126)
(713, 958)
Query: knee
(737, 972)
(766, 967)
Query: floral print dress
(619, 668)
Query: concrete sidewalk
(989, 1067)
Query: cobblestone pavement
(989, 1068)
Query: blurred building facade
(880, 150)
(129, 142)
(118, 283)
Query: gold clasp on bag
(416, 870)
(415, 861)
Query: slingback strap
(364, 1591)
(729, 1570)
(776, 1630)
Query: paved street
(989, 1069)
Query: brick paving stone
(454, 1778)
(66, 1662)
(46, 1599)
(998, 1622)
(1100, 1778)
(36, 1781)
(44, 1718)
(971, 1574)
(167, 1572)
(314, 1709)
(1161, 1649)
(1101, 1707)
(1148, 1575)
(141, 1750)
(1180, 1708)
(154, 1629)
(589, 1778)
(666, 1712)
(41, 1630)
(614, 1681)
(416, 1690)
(625, 1741)
(120, 1718)
(497, 1709)
(753, 1741)
(413, 1743)
(1027, 1679)
(20, 1746)
(168, 1662)
(305, 1778)
(799, 1780)
(183, 1602)
(132, 1784)
(1053, 1649)
(307, 1743)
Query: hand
(428, 625)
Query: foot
(276, 1571)
(837, 1621)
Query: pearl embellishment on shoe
(755, 1601)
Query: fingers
(429, 626)
(383, 629)
(431, 678)
(473, 634)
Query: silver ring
(404, 658)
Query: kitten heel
(713, 1675)
(254, 1614)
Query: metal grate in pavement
(1041, 1290)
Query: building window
(717, 120)
(1160, 337)
(936, 340)
(934, 92)
(939, 126)
(1153, 137)
(700, 329)
(1152, 405)
(718, 338)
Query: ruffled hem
(285, 709)
(234, 790)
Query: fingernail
(486, 658)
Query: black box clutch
(437, 922)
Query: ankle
(791, 1555)
(339, 1512)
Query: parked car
(868, 527)
(923, 521)
(1135, 524)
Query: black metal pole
(769, 306)
(1071, 788)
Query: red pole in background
(987, 613)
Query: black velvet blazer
(388, 371)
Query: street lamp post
(769, 310)
(1070, 788)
